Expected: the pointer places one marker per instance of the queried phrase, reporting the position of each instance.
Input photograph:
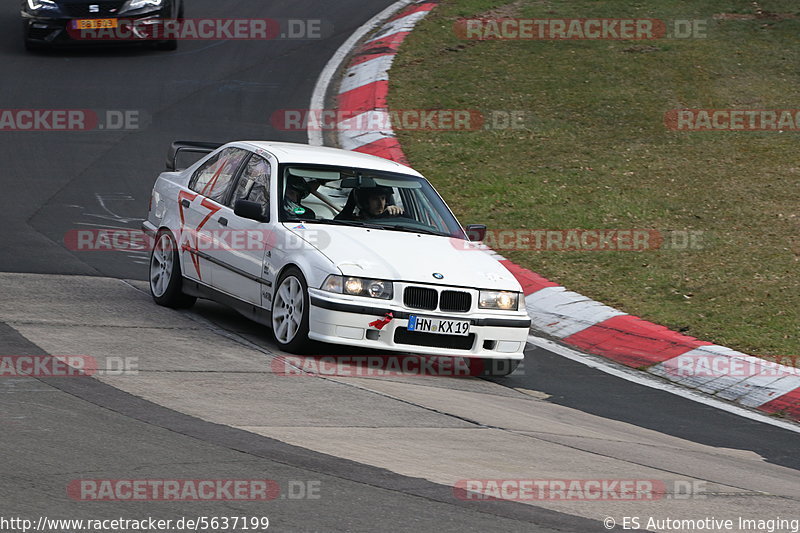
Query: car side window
(214, 176)
(253, 185)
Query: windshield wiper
(414, 230)
(362, 224)
(354, 223)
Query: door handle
(185, 202)
(223, 221)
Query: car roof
(322, 155)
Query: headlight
(138, 4)
(371, 288)
(507, 301)
(36, 5)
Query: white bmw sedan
(330, 245)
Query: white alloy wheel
(290, 311)
(161, 264)
(287, 313)
(166, 278)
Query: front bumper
(54, 30)
(341, 321)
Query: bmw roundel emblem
(438, 276)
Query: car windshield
(364, 197)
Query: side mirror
(251, 210)
(476, 232)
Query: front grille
(420, 298)
(456, 301)
(425, 298)
(106, 9)
(432, 340)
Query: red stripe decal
(213, 181)
(184, 195)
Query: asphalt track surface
(54, 431)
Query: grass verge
(595, 153)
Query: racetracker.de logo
(733, 119)
(394, 119)
(379, 366)
(582, 240)
(202, 29)
(70, 119)
(560, 489)
(251, 240)
(717, 366)
(184, 490)
(47, 366)
(559, 29)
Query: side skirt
(253, 312)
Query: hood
(405, 256)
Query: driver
(296, 190)
(372, 202)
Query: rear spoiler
(188, 146)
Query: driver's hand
(394, 210)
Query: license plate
(439, 326)
(93, 24)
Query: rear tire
(290, 312)
(166, 278)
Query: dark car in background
(48, 23)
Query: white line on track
(640, 378)
(104, 226)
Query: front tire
(166, 279)
(290, 311)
